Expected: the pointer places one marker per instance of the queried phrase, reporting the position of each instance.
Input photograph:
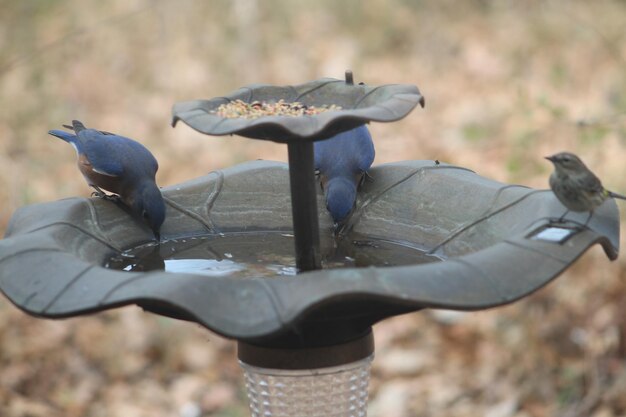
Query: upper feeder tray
(358, 104)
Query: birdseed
(241, 109)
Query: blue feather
(119, 165)
(341, 161)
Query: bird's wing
(78, 126)
(317, 155)
(366, 156)
(142, 155)
(105, 153)
(592, 184)
(366, 150)
(346, 153)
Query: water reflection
(259, 254)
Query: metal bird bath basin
(486, 233)
(496, 243)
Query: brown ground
(506, 83)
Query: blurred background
(506, 83)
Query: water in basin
(255, 254)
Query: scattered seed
(241, 109)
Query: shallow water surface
(259, 254)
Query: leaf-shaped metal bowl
(497, 243)
(359, 104)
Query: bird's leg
(364, 176)
(114, 198)
(563, 216)
(98, 193)
(588, 217)
(341, 227)
(101, 194)
(318, 177)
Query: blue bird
(119, 165)
(342, 162)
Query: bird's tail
(62, 134)
(76, 126)
(615, 195)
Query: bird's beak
(340, 226)
(550, 158)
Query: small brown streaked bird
(576, 187)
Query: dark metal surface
(485, 231)
(310, 357)
(304, 206)
(359, 104)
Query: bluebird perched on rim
(575, 186)
(119, 165)
(342, 162)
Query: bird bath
(468, 243)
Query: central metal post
(304, 205)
